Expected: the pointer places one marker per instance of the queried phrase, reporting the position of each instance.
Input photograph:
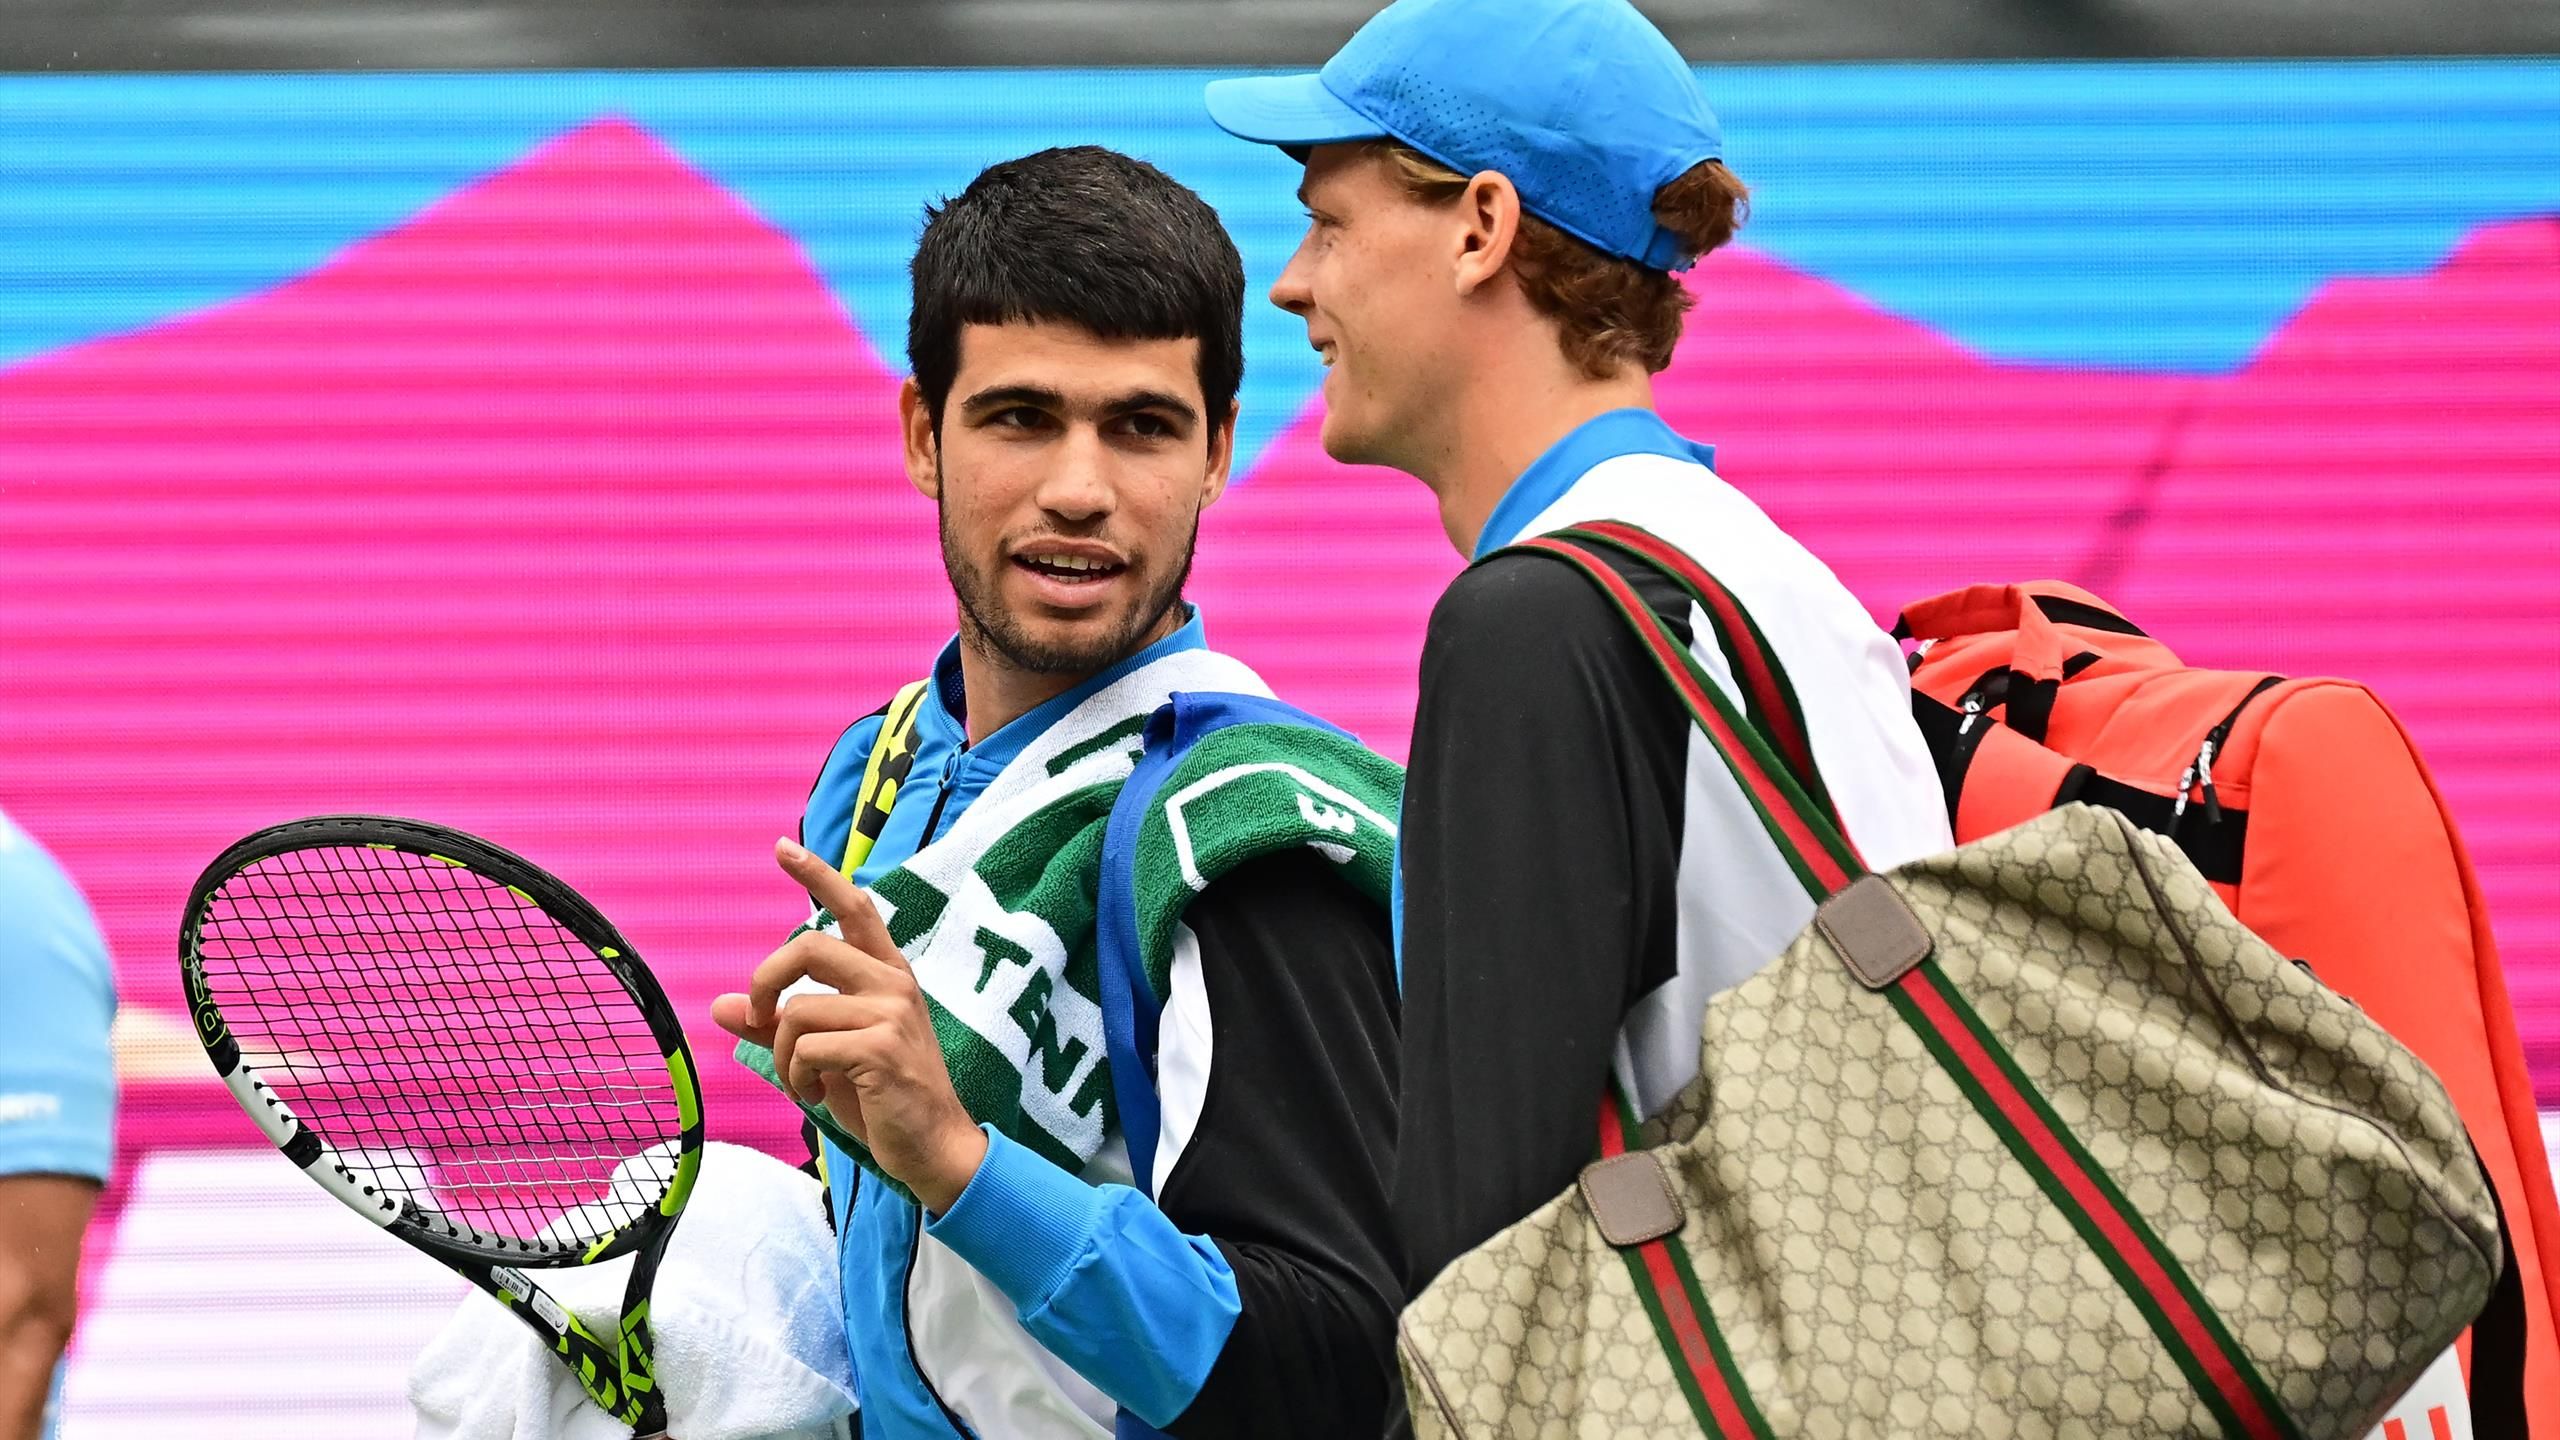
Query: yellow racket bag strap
(892, 753)
(893, 750)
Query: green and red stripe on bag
(2030, 1138)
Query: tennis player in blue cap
(1500, 197)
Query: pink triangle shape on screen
(2373, 495)
(585, 470)
(569, 512)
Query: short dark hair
(1086, 236)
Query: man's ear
(1490, 208)
(1222, 455)
(924, 447)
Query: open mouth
(1069, 569)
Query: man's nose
(1079, 484)
(1291, 292)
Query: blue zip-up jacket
(1260, 1298)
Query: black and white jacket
(1580, 871)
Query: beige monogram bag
(2029, 1139)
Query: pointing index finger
(856, 917)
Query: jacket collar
(1602, 437)
(945, 716)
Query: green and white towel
(997, 917)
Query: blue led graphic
(2156, 216)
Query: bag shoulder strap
(893, 754)
(1793, 807)
(1769, 700)
(1807, 833)
(2498, 1337)
(1963, 1047)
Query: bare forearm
(30, 1344)
(42, 1218)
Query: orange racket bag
(2306, 805)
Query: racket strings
(453, 1042)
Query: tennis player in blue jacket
(1076, 342)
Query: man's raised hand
(868, 1052)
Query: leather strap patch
(1874, 931)
(1630, 1198)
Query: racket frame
(617, 1372)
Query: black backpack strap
(2215, 838)
(2497, 1338)
(2062, 611)
(1952, 743)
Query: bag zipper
(1988, 691)
(942, 795)
(2201, 769)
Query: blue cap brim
(1294, 111)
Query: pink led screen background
(563, 505)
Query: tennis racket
(465, 1052)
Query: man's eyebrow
(1040, 397)
(1003, 395)
(1137, 400)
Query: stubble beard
(995, 633)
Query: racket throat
(618, 1378)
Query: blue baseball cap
(1581, 103)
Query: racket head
(445, 1036)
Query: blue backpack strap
(1132, 1013)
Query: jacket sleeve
(1541, 848)
(1259, 1297)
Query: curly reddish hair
(1609, 312)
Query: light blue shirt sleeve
(57, 1000)
(1099, 1276)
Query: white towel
(748, 1315)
